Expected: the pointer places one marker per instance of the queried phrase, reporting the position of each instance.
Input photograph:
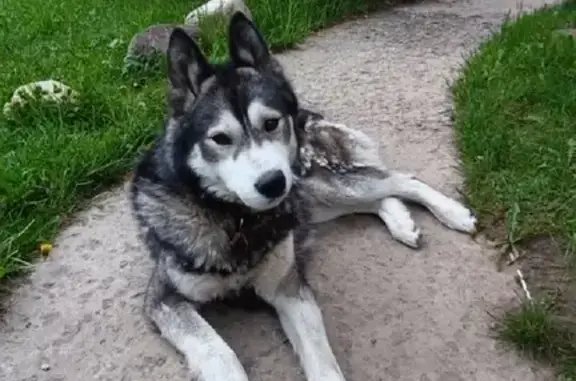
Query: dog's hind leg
(392, 211)
(208, 356)
(447, 210)
(347, 176)
(370, 190)
(399, 222)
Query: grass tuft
(537, 331)
(534, 330)
(515, 107)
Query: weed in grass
(142, 69)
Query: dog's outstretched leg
(208, 356)
(447, 210)
(391, 211)
(381, 192)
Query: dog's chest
(238, 240)
(252, 239)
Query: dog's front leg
(208, 356)
(280, 285)
(302, 322)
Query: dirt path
(391, 313)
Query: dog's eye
(222, 139)
(271, 124)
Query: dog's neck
(217, 204)
(252, 234)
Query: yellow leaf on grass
(45, 248)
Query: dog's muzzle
(271, 184)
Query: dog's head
(233, 124)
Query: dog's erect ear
(187, 68)
(246, 44)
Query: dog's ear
(187, 69)
(246, 44)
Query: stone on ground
(153, 41)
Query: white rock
(225, 7)
(50, 90)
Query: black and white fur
(226, 196)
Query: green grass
(536, 329)
(515, 125)
(53, 159)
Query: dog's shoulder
(172, 221)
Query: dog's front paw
(456, 216)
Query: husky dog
(226, 196)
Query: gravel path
(391, 313)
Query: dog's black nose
(271, 184)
